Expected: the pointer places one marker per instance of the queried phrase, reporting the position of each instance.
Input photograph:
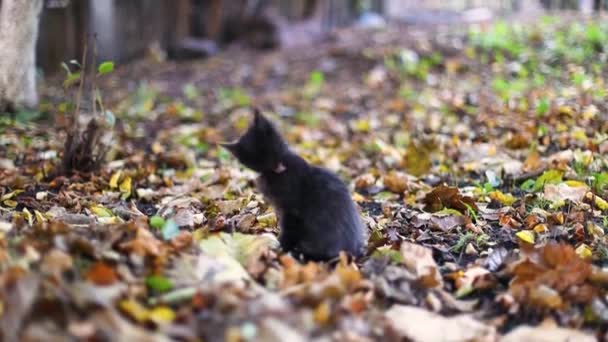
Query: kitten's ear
(258, 119)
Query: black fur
(317, 216)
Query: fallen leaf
(395, 182)
(545, 334)
(114, 179)
(526, 236)
(101, 211)
(564, 191)
(419, 260)
(101, 274)
(134, 309)
(125, 188)
(419, 325)
(161, 315)
(447, 197)
(159, 283)
(583, 251)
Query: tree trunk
(18, 34)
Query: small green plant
(470, 211)
(71, 77)
(600, 182)
(463, 241)
(548, 177)
(543, 106)
(315, 83)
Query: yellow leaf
(267, 220)
(132, 308)
(361, 125)
(575, 183)
(101, 211)
(10, 195)
(505, 199)
(322, 313)
(39, 216)
(601, 203)
(10, 203)
(357, 197)
(114, 179)
(526, 236)
(594, 229)
(541, 228)
(125, 188)
(161, 315)
(583, 251)
(28, 216)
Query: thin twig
(94, 85)
(76, 118)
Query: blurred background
(180, 29)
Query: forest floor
(478, 159)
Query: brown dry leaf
(143, 244)
(101, 274)
(295, 273)
(395, 182)
(518, 141)
(55, 262)
(551, 275)
(507, 221)
(474, 278)
(546, 334)
(182, 240)
(448, 197)
(533, 220)
(533, 162)
(364, 181)
(419, 260)
(419, 325)
(322, 313)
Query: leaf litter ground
(476, 155)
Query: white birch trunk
(18, 35)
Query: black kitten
(317, 215)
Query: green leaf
(600, 181)
(543, 106)
(105, 67)
(528, 185)
(159, 283)
(316, 78)
(548, 177)
(157, 222)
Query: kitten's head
(261, 147)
